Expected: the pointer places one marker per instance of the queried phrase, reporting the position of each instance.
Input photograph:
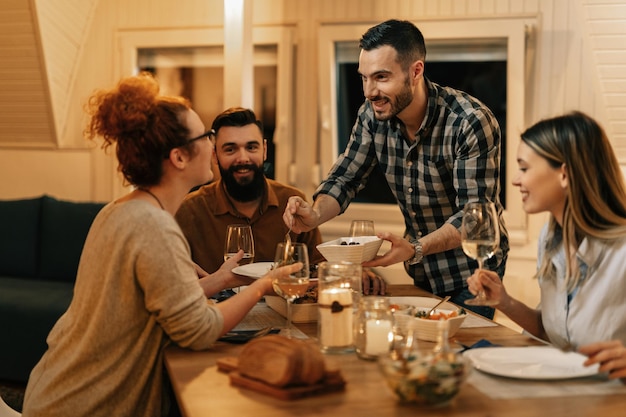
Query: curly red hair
(144, 125)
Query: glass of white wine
(296, 284)
(239, 237)
(362, 228)
(480, 238)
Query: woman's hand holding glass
(480, 238)
(488, 283)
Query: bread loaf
(280, 362)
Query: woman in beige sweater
(137, 288)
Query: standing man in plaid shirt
(439, 148)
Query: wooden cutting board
(333, 381)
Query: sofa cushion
(19, 237)
(28, 310)
(64, 228)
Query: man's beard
(401, 102)
(244, 192)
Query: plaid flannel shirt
(454, 159)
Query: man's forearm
(445, 238)
(326, 207)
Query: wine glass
(296, 284)
(480, 237)
(362, 228)
(239, 237)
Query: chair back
(6, 411)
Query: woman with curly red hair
(137, 289)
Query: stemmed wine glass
(296, 284)
(362, 228)
(480, 237)
(239, 237)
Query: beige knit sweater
(136, 290)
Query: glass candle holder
(339, 292)
(374, 328)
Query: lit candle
(336, 317)
(377, 336)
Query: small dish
(253, 270)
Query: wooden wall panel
(606, 30)
(64, 26)
(25, 110)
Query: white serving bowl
(363, 248)
(427, 329)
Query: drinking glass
(239, 237)
(480, 237)
(362, 228)
(296, 284)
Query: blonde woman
(567, 168)
(137, 289)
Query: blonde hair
(595, 203)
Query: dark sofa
(41, 240)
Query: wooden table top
(202, 390)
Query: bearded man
(245, 195)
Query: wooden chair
(6, 411)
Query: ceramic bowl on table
(427, 328)
(357, 249)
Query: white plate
(532, 362)
(253, 270)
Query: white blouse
(597, 309)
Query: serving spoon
(287, 248)
(443, 300)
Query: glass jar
(374, 328)
(339, 290)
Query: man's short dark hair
(401, 35)
(237, 117)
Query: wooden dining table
(203, 390)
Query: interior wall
(63, 174)
(573, 35)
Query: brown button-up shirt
(206, 213)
